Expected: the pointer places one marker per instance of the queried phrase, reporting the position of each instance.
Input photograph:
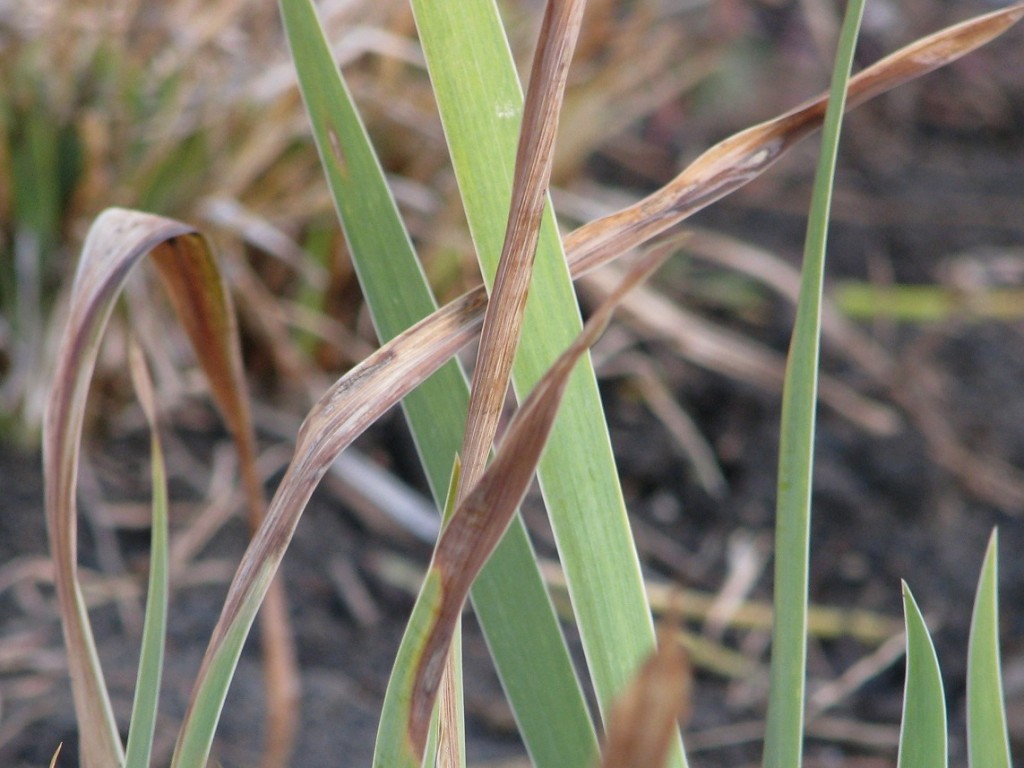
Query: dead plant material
(645, 717)
(503, 318)
(482, 518)
(118, 240)
(734, 162)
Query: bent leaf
(511, 603)
(116, 242)
(468, 540)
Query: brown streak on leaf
(503, 319)
(337, 154)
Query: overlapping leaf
(503, 320)
(120, 240)
(784, 733)
(117, 241)
(468, 540)
(512, 605)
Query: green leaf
(988, 743)
(480, 102)
(923, 729)
(151, 657)
(784, 731)
(509, 596)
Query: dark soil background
(931, 184)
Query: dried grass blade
(737, 160)
(503, 319)
(118, 240)
(115, 243)
(512, 605)
(646, 715)
(344, 412)
(605, 239)
(203, 305)
(468, 540)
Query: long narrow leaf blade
(737, 160)
(503, 320)
(154, 631)
(357, 400)
(988, 741)
(468, 540)
(116, 242)
(511, 601)
(923, 729)
(785, 726)
(480, 104)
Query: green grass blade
(988, 743)
(923, 730)
(481, 105)
(784, 730)
(154, 631)
(509, 597)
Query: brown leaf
(646, 716)
(737, 160)
(481, 518)
(117, 241)
(504, 316)
(203, 305)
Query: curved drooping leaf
(468, 540)
(116, 242)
